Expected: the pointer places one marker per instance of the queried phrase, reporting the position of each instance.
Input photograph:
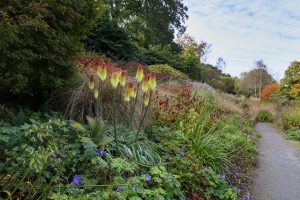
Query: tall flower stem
(114, 119)
(101, 92)
(143, 116)
(134, 105)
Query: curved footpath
(278, 174)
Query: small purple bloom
(223, 177)
(136, 187)
(101, 153)
(119, 189)
(76, 180)
(148, 177)
(246, 197)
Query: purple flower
(76, 180)
(136, 187)
(148, 177)
(119, 189)
(101, 153)
(246, 197)
(223, 177)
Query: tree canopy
(149, 22)
(38, 40)
(290, 84)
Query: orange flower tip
(119, 72)
(123, 74)
(91, 78)
(153, 75)
(130, 85)
(146, 78)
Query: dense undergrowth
(190, 149)
(290, 122)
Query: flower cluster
(118, 77)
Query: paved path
(278, 174)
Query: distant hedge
(168, 70)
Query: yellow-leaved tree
(290, 84)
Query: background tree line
(39, 40)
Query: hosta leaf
(78, 126)
(92, 123)
(104, 141)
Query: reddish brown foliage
(268, 91)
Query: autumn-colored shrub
(269, 90)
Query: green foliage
(158, 54)
(203, 142)
(110, 39)
(216, 187)
(228, 84)
(290, 84)
(141, 19)
(162, 185)
(38, 42)
(167, 69)
(265, 116)
(291, 120)
(293, 134)
(96, 130)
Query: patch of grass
(291, 120)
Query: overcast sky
(242, 31)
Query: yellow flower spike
(127, 96)
(91, 83)
(130, 89)
(114, 80)
(102, 73)
(139, 74)
(122, 79)
(146, 99)
(134, 92)
(145, 84)
(152, 81)
(96, 93)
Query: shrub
(268, 91)
(291, 120)
(265, 116)
(293, 134)
(38, 41)
(167, 69)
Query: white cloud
(243, 31)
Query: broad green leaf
(92, 123)
(78, 126)
(105, 141)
